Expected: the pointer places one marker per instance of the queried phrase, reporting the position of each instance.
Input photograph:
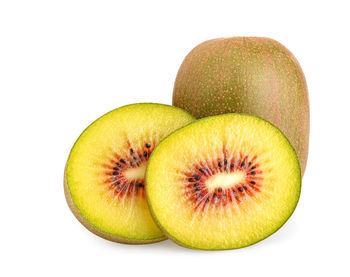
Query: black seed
(135, 158)
(196, 185)
(122, 161)
(252, 182)
(131, 150)
(245, 187)
(115, 172)
(197, 189)
(253, 167)
(131, 184)
(240, 189)
(125, 187)
(219, 164)
(197, 177)
(249, 164)
(117, 183)
(190, 179)
(145, 154)
(219, 189)
(233, 191)
(139, 185)
(225, 162)
(118, 164)
(242, 164)
(147, 145)
(207, 200)
(232, 166)
(214, 195)
(202, 170)
(253, 172)
(116, 168)
(131, 163)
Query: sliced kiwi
(104, 175)
(223, 182)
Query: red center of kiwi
(117, 177)
(201, 196)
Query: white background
(65, 63)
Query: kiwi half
(223, 182)
(104, 176)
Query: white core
(225, 180)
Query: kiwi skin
(180, 243)
(92, 228)
(228, 75)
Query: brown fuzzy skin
(250, 75)
(92, 228)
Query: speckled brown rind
(250, 75)
(92, 228)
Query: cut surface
(223, 182)
(106, 168)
